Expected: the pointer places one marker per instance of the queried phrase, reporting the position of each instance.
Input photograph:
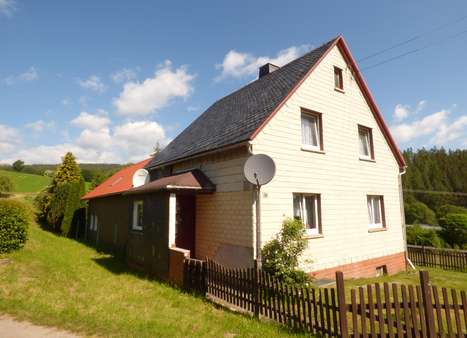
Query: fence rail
(447, 259)
(377, 310)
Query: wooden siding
(337, 174)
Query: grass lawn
(59, 282)
(23, 182)
(438, 277)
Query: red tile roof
(117, 183)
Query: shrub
(450, 209)
(6, 185)
(416, 235)
(15, 218)
(418, 213)
(281, 255)
(454, 230)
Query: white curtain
(310, 133)
(364, 143)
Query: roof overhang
(193, 180)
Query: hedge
(15, 218)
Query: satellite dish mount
(259, 170)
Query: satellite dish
(140, 177)
(259, 169)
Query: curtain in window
(297, 207)
(310, 133)
(374, 209)
(370, 211)
(364, 143)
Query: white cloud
(143, 98)
(448, 132)
(40, 125)
(138, 139)
(7, 7)
(97, 139)
(9, 139)
(239, 65)
(29, 75)
(91, 121)
(405, 132)
(401, 112)
(124, 75)
(93, 83)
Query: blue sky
(109, 79)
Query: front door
(185, 224)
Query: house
(337, 168)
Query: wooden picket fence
(448, 259)
(387, 310)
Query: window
(93, 223)
(381, 271)
(375, 212)
(338, 82)
(137, 215)
(311, 131)
(365, 138)
(307, 208)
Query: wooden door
(185, 224)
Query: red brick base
(367, 268)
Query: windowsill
(377, 229)
(136, 231)
(337, 89)
(312, 149)
(313, 236)
(367, 159)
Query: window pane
(364, 142)
(297, 206)
(377, 210)
(310, 212)
(310, 132)
(370, 211)
(140, 214)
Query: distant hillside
(24, 182)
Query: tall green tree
(18, 165)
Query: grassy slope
(59, 282)
(26, 182)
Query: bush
(454, 230)
(15, 218)
(418, 213)
(416, 235)
(6, 185)
(281, 255)
(450, 209)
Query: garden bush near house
(6, 185)
(416, 235)
(58, 203)
(454, 230)
(281, 255)
(15, 218)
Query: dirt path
(12, 328)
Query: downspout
(404, 226)
(253, 216)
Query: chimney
(266, 69)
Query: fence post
(427, 303)
(342, 304)
(255, 289)
(423, 256)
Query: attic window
(338, 81)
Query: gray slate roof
(235, 117)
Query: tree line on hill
(435, 193)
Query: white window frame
(339, 74)
(317, 217)
(369, 143)
(135, 225)
(318, 130)
(371, 200)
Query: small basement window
(137, 215)
(307, 209)
(375, 212)
(312, 131)
(381, 271)
(365, 139)
(338, 80)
